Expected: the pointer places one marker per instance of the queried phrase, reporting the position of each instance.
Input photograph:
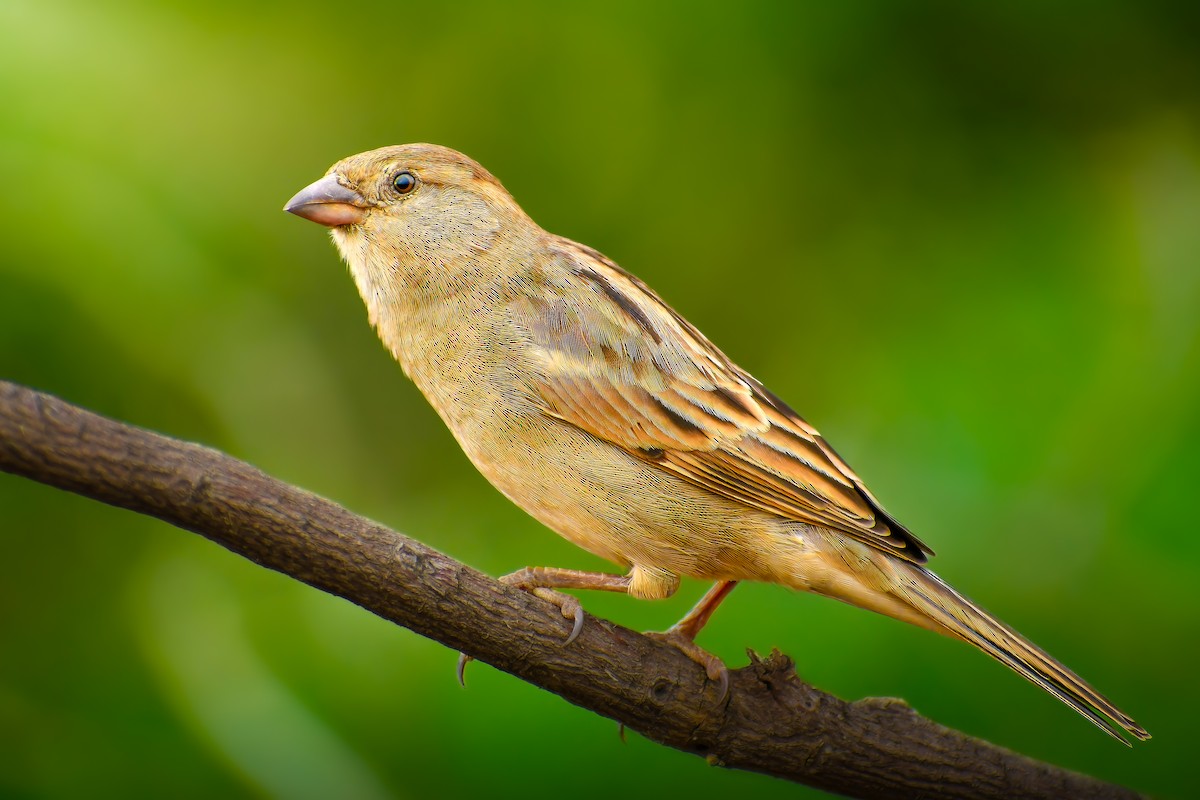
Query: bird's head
(410, 218)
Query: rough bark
(769, 722)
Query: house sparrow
(594, 406)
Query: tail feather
(963, 619)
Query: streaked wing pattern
(636, 374)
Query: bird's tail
(963, 619)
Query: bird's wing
(629, 370)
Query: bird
(603, 413)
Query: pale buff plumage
(595, 407)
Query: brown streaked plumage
(594, 406)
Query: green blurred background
(963, 241)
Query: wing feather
(629, 370)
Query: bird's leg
(542, 581)
(683, 634)
(698, 617)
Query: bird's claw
(723, 685)
(714, 667)
(568, 604)
(460, 670)
(577, 627)
(570, 607)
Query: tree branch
(769, 722)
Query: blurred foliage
(963, 239)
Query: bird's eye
(404, 182)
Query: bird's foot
(569, 605)
(714, 667)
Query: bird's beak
(327, 202)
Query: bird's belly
(622, 509)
